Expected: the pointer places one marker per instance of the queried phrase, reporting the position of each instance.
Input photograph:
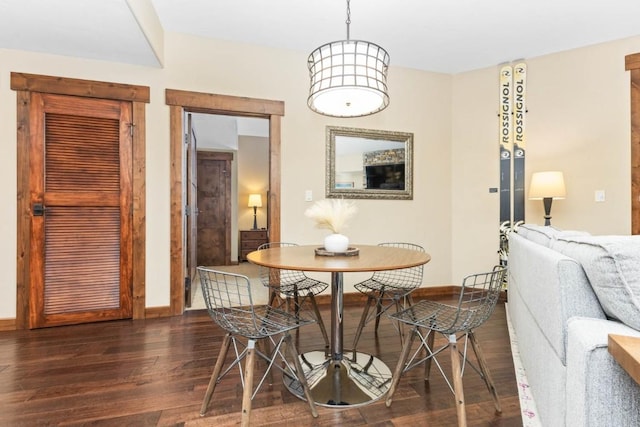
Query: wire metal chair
(293, 285)
(229, 303)
(386, 289)
(476, 302)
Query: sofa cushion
(537, 233)
(545, 234)
(612, 265)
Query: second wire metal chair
(386, 289)
(476, 302)
(295, 286)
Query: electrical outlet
(308, 196)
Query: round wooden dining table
(340, 378)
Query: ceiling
(448, 36)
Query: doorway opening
(183, 102)
(227, 165)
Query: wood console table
(626, 351)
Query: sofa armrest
(599, 392)
(554, 288)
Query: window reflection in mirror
(369, 164)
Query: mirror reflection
(365, 163)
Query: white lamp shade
(547, 185)
(255, 200)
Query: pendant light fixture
(348, 77)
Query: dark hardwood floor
(155, 372)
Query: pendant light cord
(348, 18)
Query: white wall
(578, 121)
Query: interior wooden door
(192, 212)
(81, 207)
(214, 208)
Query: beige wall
(253, 178)
(578, 121)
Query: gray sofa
(567, 291)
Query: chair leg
(427, 363)
(216, 371)
(363, 320)
(320, 322)
(408, 301)
(300, 374)
(378, 311)
(401, 334)
(248, 383)
(266, 348)
(486, 375)
(272, 297)
(458, 390)
(296, 302)
(406, 347)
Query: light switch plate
(599, 196)
(308, 196)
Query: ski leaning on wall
(506, 147)
(519, 141)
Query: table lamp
(255, 202)
(547, 186)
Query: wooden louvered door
(81, 204)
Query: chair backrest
(478, 297)
(275, 276)
(408, 278)
(228, 300)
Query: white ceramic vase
(336, 243)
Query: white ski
(506, 146)
(519, 144)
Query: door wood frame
(24, 84)
(632, 64)
(195, 102)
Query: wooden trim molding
(139, 218)
(153, 312)
(358, 298)
(24, 84)
(7, 324)
(184, 101)
(23, 215)
(76, 87)
(632, 64)
(212, 103)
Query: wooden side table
(626, 351)
(250, 240)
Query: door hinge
(188, 210)
(131, 126)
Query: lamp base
(255, 219)
(547, 210)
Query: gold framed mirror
(369, 164)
